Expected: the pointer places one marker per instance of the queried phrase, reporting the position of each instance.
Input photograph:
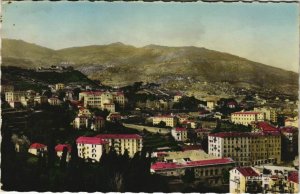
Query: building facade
(37, 149)
(91, 148)
(131, 142)
(246, 148)
(170, 120)
(246, 118)
(179, 134)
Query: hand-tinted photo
(150, 97)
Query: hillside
(174, 67)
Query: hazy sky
(262, 32)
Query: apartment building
(179, 134)
(131, 142)
(245, 180)
(14, 96)
(170, 120)
(269, 113)
(59, 86)
(246, 148)
(97, 99)
(91, 148)
(247, 117)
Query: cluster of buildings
(264, 179)
(92, 148)
(102, 100)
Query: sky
(262, 32)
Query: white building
(54, 101)
(245, 180)
(246, 148)
(247, 117)
(37, 149)
(131, 142)
(14, 96)
(91, 148)
(60, 149)
(179, 133)
(170, 120)
(97, 99)
(59, 86)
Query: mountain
(174, 67)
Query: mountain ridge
(119, 64)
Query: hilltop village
(142, 137)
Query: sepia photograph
(166, 97)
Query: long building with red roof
(247, 148)
(37, 149)
(247, 117)
(131, 142)
(210, 170)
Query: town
(146, 138)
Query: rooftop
(247, 171)
(172, 165)
(90, 140)
(119, 136)
(294, 177)
(60, 147)
(244, 134)
(37, 146)
(180, 129)
(265, 126)
(247, 112)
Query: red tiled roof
(244, 134)
(294, 177)
(247, 171)
(37, 146)
(99, 118)
(119, 136)
(232, 103)
(169, 166)
(165, 116)
(93, 92)
(60, 147)
(180, 129)
(248, 112)
(266, 126)
(91, 140)
(289, 129)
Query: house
(245, 180)
(131, 142)
(37, 149)
(177, 97)
(80, 122)
(246, 117)
(60, 149)
(40, 99)
(97, 123)
(59, 86)
(54, 101)
(246, 148)
(179, 134)
(91, 148)
(114, 117)
(84, 112)
(293, 182)
(109, 107)
(14, 96)
(169, 120)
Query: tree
(189, 175)
(161, 124)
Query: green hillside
(119, 64)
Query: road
(150, 129)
